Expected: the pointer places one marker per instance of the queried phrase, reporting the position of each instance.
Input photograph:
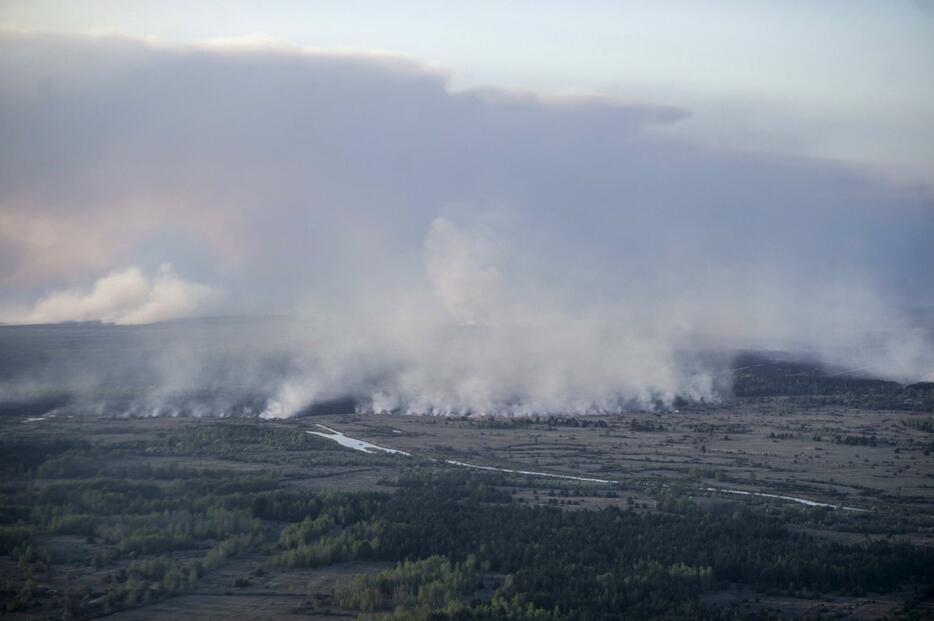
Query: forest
(759, 376)
(455, 544)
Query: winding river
(367, 447)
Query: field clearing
(759, 447)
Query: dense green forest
(758, 376)
(457, 543)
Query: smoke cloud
(448, 251)
(124, 297)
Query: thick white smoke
(478, 251)
(124, 297)
(508, 341)
(464, 274)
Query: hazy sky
(540, 207)
(845, 79)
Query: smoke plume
(440, 251)
(124, 297)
